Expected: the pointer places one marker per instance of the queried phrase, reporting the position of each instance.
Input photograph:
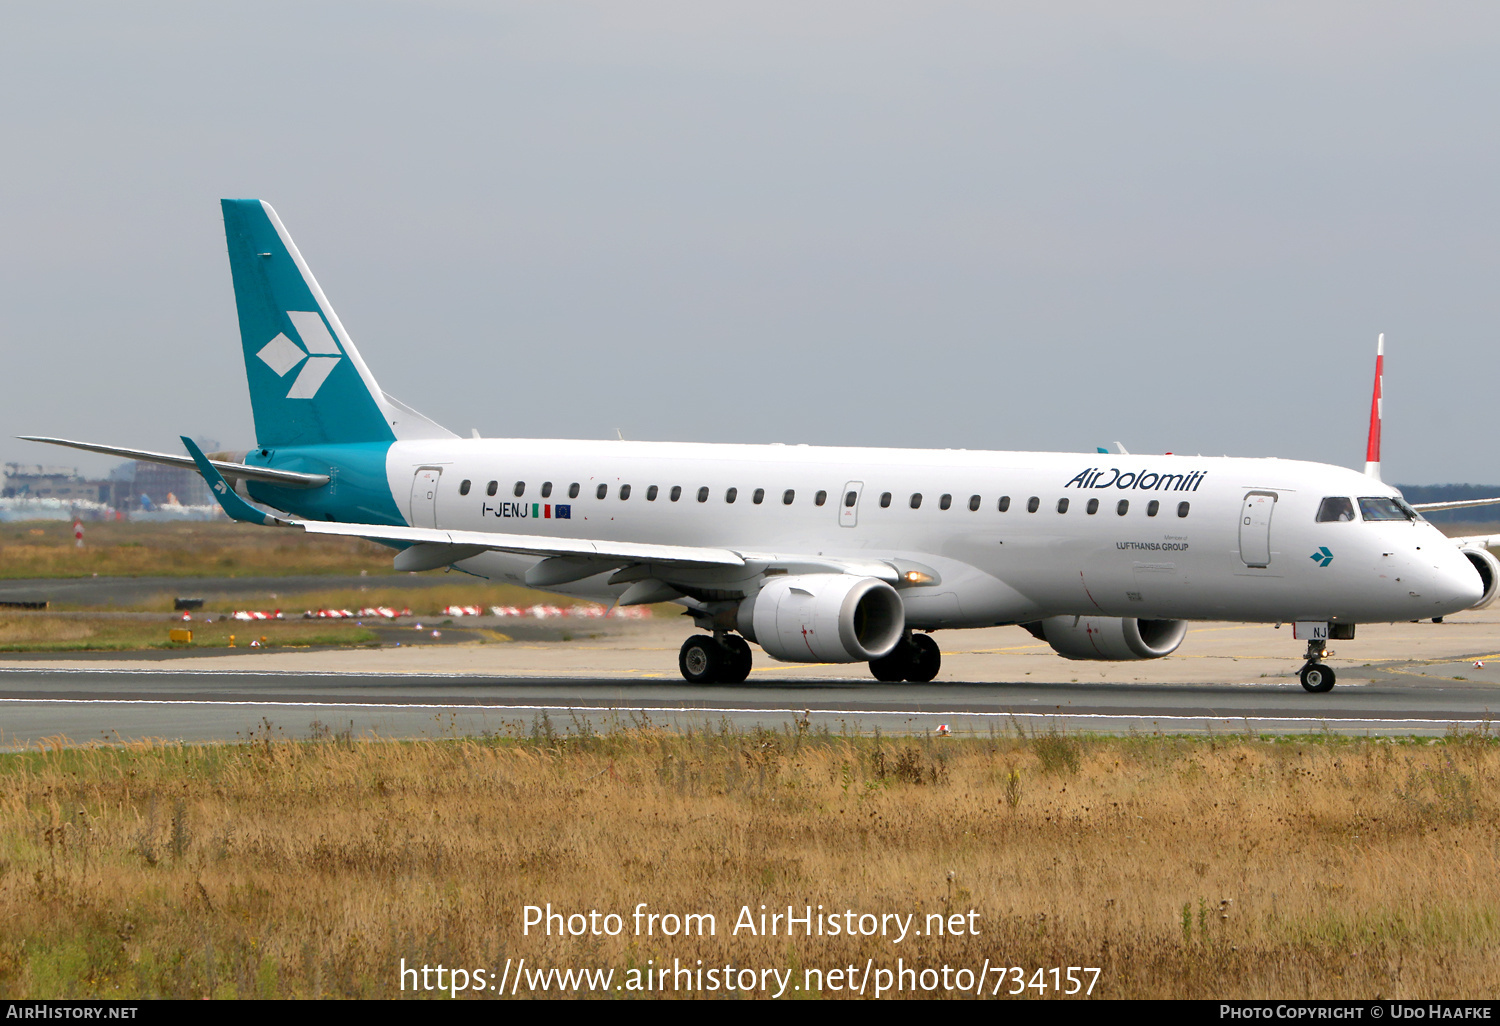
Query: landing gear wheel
(701, 660)
(1317, 678)
(736, 660)
(925, 659)
(892, 666)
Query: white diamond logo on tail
(313, 374)
(281, 354)
(309, 324)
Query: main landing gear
(714, 660)
(915, 658)
(1317, 676)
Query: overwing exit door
(849, 503)
(1255, 528)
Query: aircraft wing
(525, 544)
(1433, 507)
(284, 478)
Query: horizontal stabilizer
(229, 468)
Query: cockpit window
(1385, 507)
(1336, 510)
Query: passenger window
(916, 500)
(703, 494)
(1123, 507)
(1033, 504)
(601, 491)
(850, 498)
(1004, 503)
(492, 488)
(1092, 507)
(624, 492)
(973, 503)
(676, 493)
(573, 490)
(1153, 507)
(945, 502)
(1062, 505)
(1182, 509)
(731, 495)
(651, 494)
(885, 499)
(463, 488)
(787, 497)
(546, 489)
(1335, 510)
(759, 496)
(820, 498)
(520, 488)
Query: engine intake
(824, 618)
(1489, 573)
(1109, 637)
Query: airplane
(1475, 547)
(813, 553)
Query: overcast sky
(1002, 226)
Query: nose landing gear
(1316, 675)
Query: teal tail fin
(308, 384)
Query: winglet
(236, 507)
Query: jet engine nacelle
(1110, 637)
(1489, 573)
(824, 618)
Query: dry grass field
(190, 549)
(81, 632)
(1230, 867)
(217, 550)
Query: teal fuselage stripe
(357, 491)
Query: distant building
(37, 481)
(163, 483)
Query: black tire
(1317, 678)
(926, 659)
(892, 666)
(701, 659)
(737, 660)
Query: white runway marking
(1320, 721)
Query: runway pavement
(1227, 678)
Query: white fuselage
(1227, 538)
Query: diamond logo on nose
(281, 354)
(1323, 556)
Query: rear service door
(849, 503)
(1255, 528)
(424, 490)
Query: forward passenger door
(1255, 528)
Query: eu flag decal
(562, 512)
